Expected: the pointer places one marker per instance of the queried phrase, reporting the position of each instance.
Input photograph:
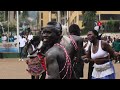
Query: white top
(40, 44)
(87, 47)
(4, 38)
(15, 36)
(35, 54)
(100, 53)
(22, 42)
(30, 37)
(19, 37)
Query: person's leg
(90, 69)
(1, 55)
(32, 77)
(22, 53)
(78, 68)
(43, 75)
(37, 77)
(119, 59)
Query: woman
(91, 63)
(32, 49)
(100, 52)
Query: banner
(9, 41)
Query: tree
(89, 18)
(1, 16)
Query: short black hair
(54, 26)
(74, 29)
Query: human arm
(33, 51)
(109, 49)
(52, 66)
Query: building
(69, 17)
(107, 15)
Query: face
(48, 36)
(90, 36)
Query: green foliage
(112, 26)
(89, 17)
(12, 28)
(1, 16)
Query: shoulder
(52, 52)
(103, 42)
(77, 38)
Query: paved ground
(14, 69)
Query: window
(41, 23)
(41, 15)
(75, 20)
(108, 16)
(53, 20)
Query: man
(22, 42)
(78, 64)
(62, 51)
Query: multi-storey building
(69, 17)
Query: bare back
(57, 55)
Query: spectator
(22, 42)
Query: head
(51, 33)
(22, 36)
(74, 29)
(93, 35)
(35, 40)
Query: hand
(86, 60)
(117, 53)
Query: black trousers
(90, 69)
(42, 77)
(1, 55)
(78, 68)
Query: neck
(95, 42)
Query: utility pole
(49, 16)
(17, 15)
(8, 23)
(99, 15)
(77, 17)
(59, 16)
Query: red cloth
(42, 60)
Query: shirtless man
(62, 51)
